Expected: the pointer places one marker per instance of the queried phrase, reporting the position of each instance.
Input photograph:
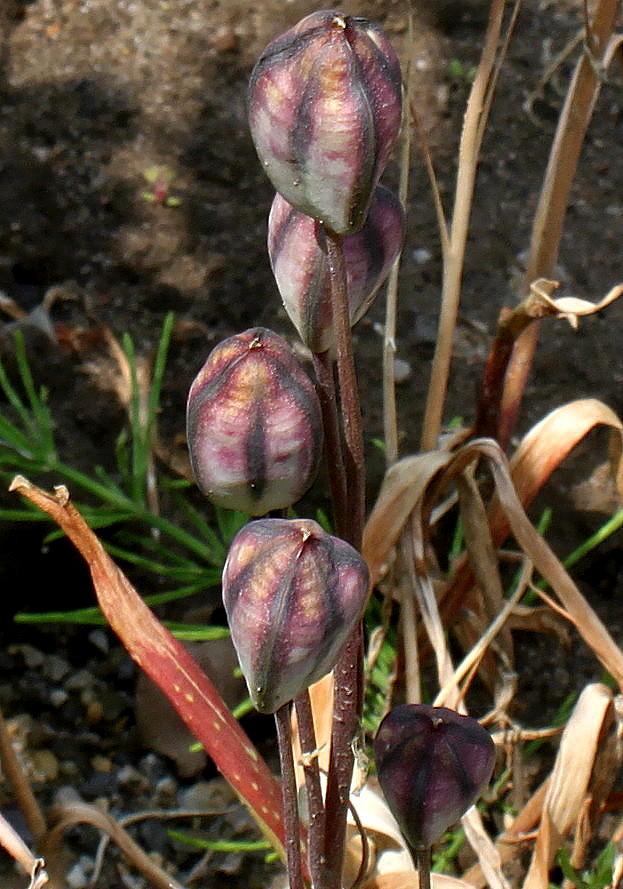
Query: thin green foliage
(597, 877)
(189, 558)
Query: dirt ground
(98, 97)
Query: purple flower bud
(432, 765)
(254, 426)
(293, 595)
(297, 250)
(325, 106)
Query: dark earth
(129, 188)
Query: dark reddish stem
(315, 802)
(493, 419)
(349, 669)
(348, 391)
(325, 386)
(422, 861)
(290, 802)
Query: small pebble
(58, 697)
(55, 668)
(100, 640)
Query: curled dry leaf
(404, 485)
(540, 303)
(570, 779)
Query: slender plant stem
(325, 387)
(422, 860)
(349, 392)
(315, 833)
(290, 804)
(471, 139)
(554, 198)
(349, 669)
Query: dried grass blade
(570, 779)
(481, 553)
(488, 856)
(591, 628)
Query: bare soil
(95, 96)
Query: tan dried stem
(476, 116)
(83, 813)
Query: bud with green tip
(293, 595)
(325, 106)
(432, 764)
(254, 425)
(298, 256)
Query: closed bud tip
(325, 107)
(432, 764)
(293, 595)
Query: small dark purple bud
(293, 595)
(325, 106)
(298, 256)
(254, 426)
(432, 764)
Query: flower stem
(349, 669)
(290, 804)
(315, 836)
(422, 861)
(325, 386)
(348, 391)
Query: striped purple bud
(325, 106)
(293, 595)
(254, 426)
(297, 250)
(432, 764)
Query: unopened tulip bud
(293, 595)
(254, 426)
(325, 106)
(298, 256)
(432, 764)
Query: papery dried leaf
(403, 486)
(488, 856)
(570, 779)
(166, 661)
(570, 307)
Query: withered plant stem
(476, 115)
(324, 367)
(290, 801)
(349, 669)
(315, 802)
(554, 198)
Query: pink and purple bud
(432, 765)
(298, 256)
(254, 426)
(293, 595)
(325, 107)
